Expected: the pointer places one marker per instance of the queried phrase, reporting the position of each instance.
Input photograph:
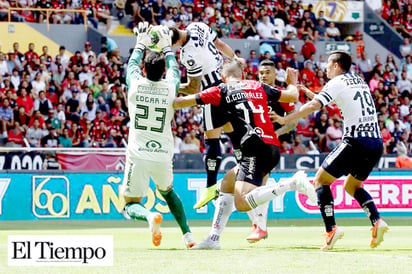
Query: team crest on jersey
(152, 144)
(191, 62)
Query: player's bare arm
(192, 87)
(291, 94)
(225, 49)
(310, 94)
(304, 111)
(184, 101)
(228, 52)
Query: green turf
(291, 249)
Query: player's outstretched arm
(172, 68)
(291, 94)
(304, 111)
(310, 94)
(225, 49)
(185, 101)
(142, 41)
(192, 87)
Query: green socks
(176, 208)
(137, 211)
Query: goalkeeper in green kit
(149, 154)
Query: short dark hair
(343, 58)
(175, 35)
(267, 62)
(155, 64)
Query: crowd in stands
(80, 101)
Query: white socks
(258, 215)
(224, 207)
(263, 194)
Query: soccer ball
(154, 36)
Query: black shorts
(258, 159)
(214, 117)
(356, 157)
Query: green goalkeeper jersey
(151, 110)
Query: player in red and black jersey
(245, 103)
(258, 216)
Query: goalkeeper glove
(143, 38)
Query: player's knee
(164, 190)
(241, 204)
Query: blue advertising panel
(95, 196)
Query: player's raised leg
(212, 162)
(263, 194)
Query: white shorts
(137, 174)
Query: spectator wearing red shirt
(25, 101)
(117, 114)
(69, 83)
(15, 136)
(308, 48)
(21, 117)
(101, 13)
(286, 47)
(76, 60)
(47, 58)
(100, 116)
(307, 74)
(100, 134)
(250, 72)
(37, 116)
(31, 56)
(286, 148)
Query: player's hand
(241, 61)
(143, 39)
(165, 37)
(306, 91)
(292, 76)
(276, 118)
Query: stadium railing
(48, 12)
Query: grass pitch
(289, 249)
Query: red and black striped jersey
(246, 104)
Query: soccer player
(245, 103)
(200, 54)
(150, 146)
(359, 151)
(258, 216)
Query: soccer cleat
(207, 244)
(332, 237)
(304, 186)
(206, 196)
(378, 230)
(188, 240)
(155, 219)
(257, 234)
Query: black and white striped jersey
(354, 100)
(200, 56)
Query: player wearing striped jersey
(149, 154)
(200, 54)
(359, 151)
(245, 103)
(258, 216)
